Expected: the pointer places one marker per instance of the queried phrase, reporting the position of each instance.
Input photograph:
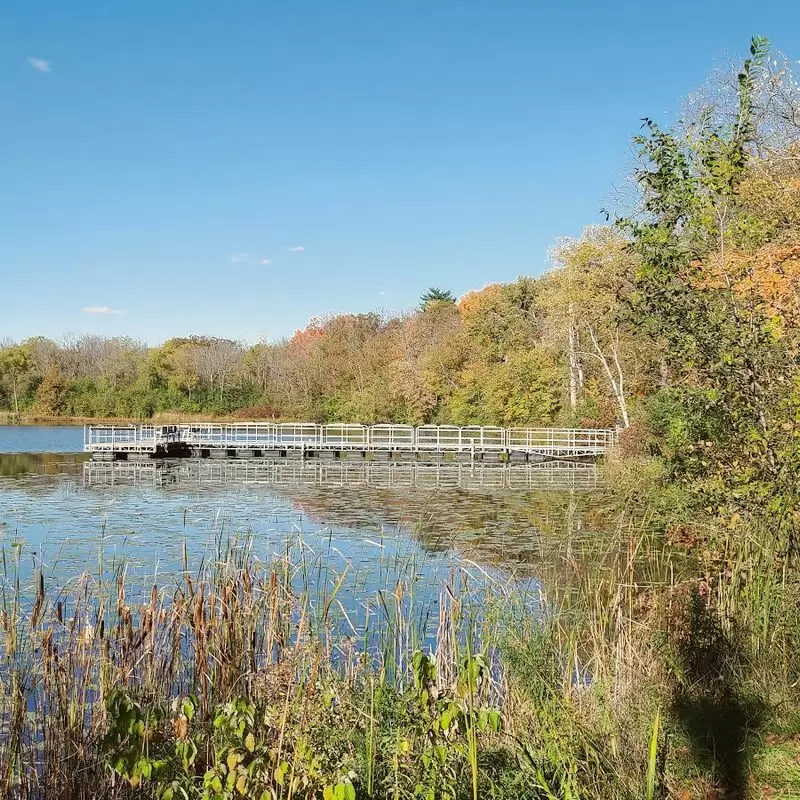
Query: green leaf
(144, 768)
(234, 759)
(188, 708)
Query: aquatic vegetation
(230, 681)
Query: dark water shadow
(719, 715)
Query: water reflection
(20, 464)
(69, 514)
(551, 476)
(496, 515)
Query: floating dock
(305, 440)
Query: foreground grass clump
(242, 681)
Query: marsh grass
(614, 676)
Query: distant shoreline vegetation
(497, 356)
(31, 418)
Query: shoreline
(44, 420)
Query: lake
(41, 439)
(67, 516)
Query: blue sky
(235, 168)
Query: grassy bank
(230, 681)
(30, 418)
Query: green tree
(524, 390)
(584, 297)
(15, 364)
(434, 296)
(735, 368)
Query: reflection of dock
(554, 476)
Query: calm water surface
(68, 516)
(40, 439)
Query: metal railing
(343, 436)
(392, 437)
(561, 440)
(452, 437)
(121, 438)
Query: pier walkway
(375, 442)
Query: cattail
(225, 601)
(47, 649)
(212, 603)
(120, 593)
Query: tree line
(535, 351)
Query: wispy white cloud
(265, 262)
(39, 64)
(102, 311)
(382, 292)
(296, 249)
(240, 258)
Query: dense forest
(539, 350)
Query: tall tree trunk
(575, 371)
(617, 382)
